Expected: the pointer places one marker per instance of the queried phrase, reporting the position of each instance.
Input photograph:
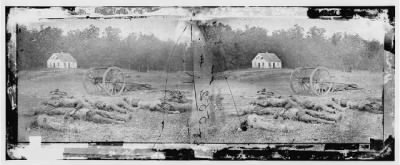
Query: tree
(224, 47)
(35, 47)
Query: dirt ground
(145, 126)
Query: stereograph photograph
(200, 83)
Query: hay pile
(175, 96)
(264, 92)
(344, 87)
(136, 86)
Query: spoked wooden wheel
(92, 83)
(320, 81)
(299, 82)
(113, 81)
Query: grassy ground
(145, 126)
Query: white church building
(266, 60)
(61, 60)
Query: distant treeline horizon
(226, 48)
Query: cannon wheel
(297, 83)
(113, 81)
(320, 81)
(90, 83)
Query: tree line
(227, 48)
(137, 51)
(296, 47)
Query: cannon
(108, 80)
(311, 80)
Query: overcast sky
(167, 28)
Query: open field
(145, 125)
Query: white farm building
(266, 60)
(61, 60)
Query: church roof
(65, 57)
(271, 57)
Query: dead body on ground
(300, 109)
(102, 110)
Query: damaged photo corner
(200, 83)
